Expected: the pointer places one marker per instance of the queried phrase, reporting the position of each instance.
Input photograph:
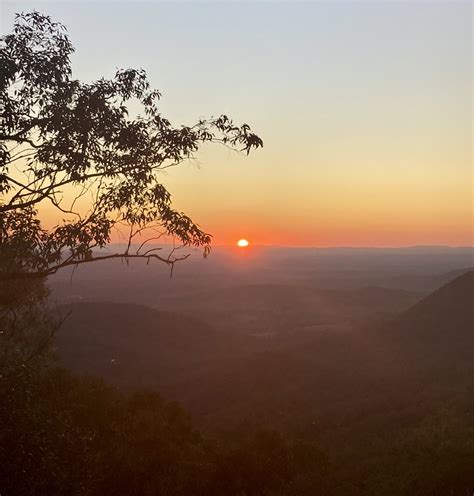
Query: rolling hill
(428, 346)
(448, 312)
(134, 346)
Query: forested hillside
(349, 389)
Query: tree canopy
(106, 138)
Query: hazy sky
(365, 110)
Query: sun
(242, 243)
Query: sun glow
(242, 243)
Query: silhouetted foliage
(106, 138)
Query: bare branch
(11, 276)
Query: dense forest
(281, 423)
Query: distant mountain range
(420, 270)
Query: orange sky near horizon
(365, 110)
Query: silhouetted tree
(61, 138)
(107, 138)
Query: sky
(365, 109)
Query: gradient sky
(365, 110)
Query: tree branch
(10, 276)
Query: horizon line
(317, 247)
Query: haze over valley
(329, 343)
